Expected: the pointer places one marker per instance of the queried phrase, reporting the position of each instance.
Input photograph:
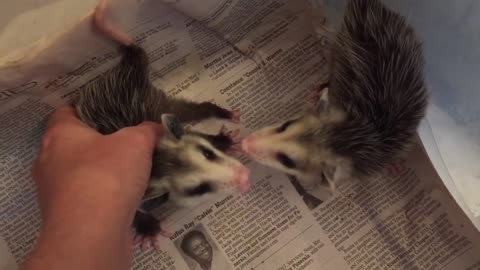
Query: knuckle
(53, 131)
(48, 136)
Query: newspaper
(260, 57)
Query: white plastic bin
(451, 134)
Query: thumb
(146, 134)
(150, 129)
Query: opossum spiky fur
(186, 165)
(368, 115)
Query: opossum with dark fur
(367, 115)
(187, 165)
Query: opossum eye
(285, 160)
(199, 190)
(207, 153)
(284, 127)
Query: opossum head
(299, 146)
(191, 169)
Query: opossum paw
(152, 239)
(234, 138)
(146, 242)
(313, 98)
(315, 93)
(234, 149)
(226, 140)
(235, 116)
(394, 168)
(234, 135)
(148, 230)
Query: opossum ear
(323, 104)
(172, 125)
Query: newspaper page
(7, 261)
(262, 63)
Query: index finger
(63, 122)
(65, 115)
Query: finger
(65, 121)
(152, 126)
(64, 114)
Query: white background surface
(25, 21)
(451, 34)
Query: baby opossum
(367, 115)
(186, 165)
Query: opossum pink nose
(248, 144)
(242, 179)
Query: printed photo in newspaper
(199, 250)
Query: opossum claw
(165, 233)
(151, 240)
(144, 245)
(232, 134)
(148, 229)
(235, 118)
(394, 168)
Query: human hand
(91, 184)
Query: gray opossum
(368, 112)
(187, 165)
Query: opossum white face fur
(191, 169)
(299, 146)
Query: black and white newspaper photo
(200, 251)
